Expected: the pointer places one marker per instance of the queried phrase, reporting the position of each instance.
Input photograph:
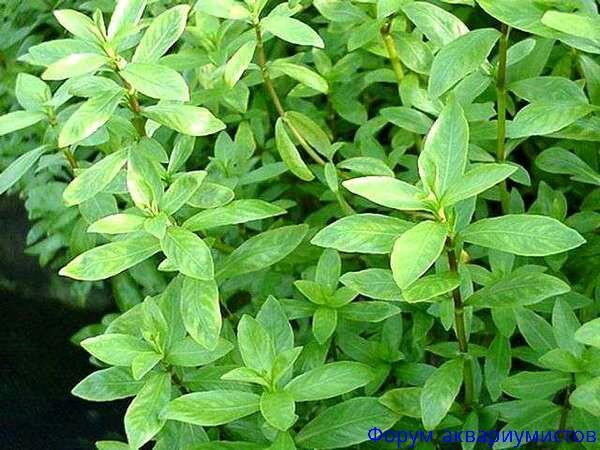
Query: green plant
(323, 217)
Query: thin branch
(392, 51)
(501, 93)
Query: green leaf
(541, 118)
(407, 119)
(239, 62)
(440, 26)
(497, 365)
(273, 317)
(346, 424)
(439, 392)
(126, 15)
(156, 81)
(324, 323)
(523, 234)
(238, 211)
(291, 30)
(362, 233)
(19, 167)
(256, 345)
(144, 181)
(90, 116)
(430, 287)
(535, 385)
(459, 58)
(115, 349)
(310, 131)
(200, 311)
(94, 179)
(477, 180)
(443, 160)
(550, 88)
(387, 191)
(403, 401)
(160, 36)
(278, 409)
(518, 290)
(536, 331)
(225, 9)
(31, 92)
(302, 74)
(18, 120)
(143, 419)
(576, 24)
(188, 252)
(186, 119)
(587, 396)
(181, 191)
(78, 25)
(188, 353)
(289, 153)
(589, 333)
(416, 250)
(110, 259)
(212, 408)
(369, 311)
(74, 65)
(374, 283)
(262, 251)
(560, 161)
(107, 385)
(564, 325)
(329, 380)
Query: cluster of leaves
(320, 217)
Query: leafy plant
(319, 217)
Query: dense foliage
(318, 217)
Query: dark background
(38, 364)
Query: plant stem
(262, 63)
(460, 328)
(392, 51)
(566, 407)
(501, 93)
(71, 158)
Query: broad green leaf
(162, 33)
(310, 131)
(156, 81)
(443, 160)
(369, 311)
(273, 317)
(262, 251)
(589, 333)
(497, 365)
(94, 179)
(541, 118)
(329, 380)
(416, 250)
(110, 259)
(225, 9)
(188, 353)
(181, 191)
(115, 349)
(477, 180)
(576, 24)
(550, 88)
(126, 15)
(292, 30)
(407, 119)
(560, 161)
(440, 26)
(144, 182)
(239, 62)
(18, 120)
(362, 233)
(143, 418)
(535, 385)
(201, 312)
(518, 290)
(587, 397)
(144, 363)
(346, 424)
(387, 191)
(31, 92)
(74, 65)
(439, 392)
(564, 325)
(329, 269)
(289, 153)
(90, 116)
(19, 167)
(302, 74)
(430, 287)
(186, 119)
(188, 252)
(536, 331)
(278, 409)
(107, 385)
(523, 234)
(256, 346)
(78, 25)
(324, 323)
(403, 401)
(460, 58)
(212, 408)
(374, 283)
(238, 211)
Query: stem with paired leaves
(392, 51)
(262, 63)
(501, 93)
(460, 328)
